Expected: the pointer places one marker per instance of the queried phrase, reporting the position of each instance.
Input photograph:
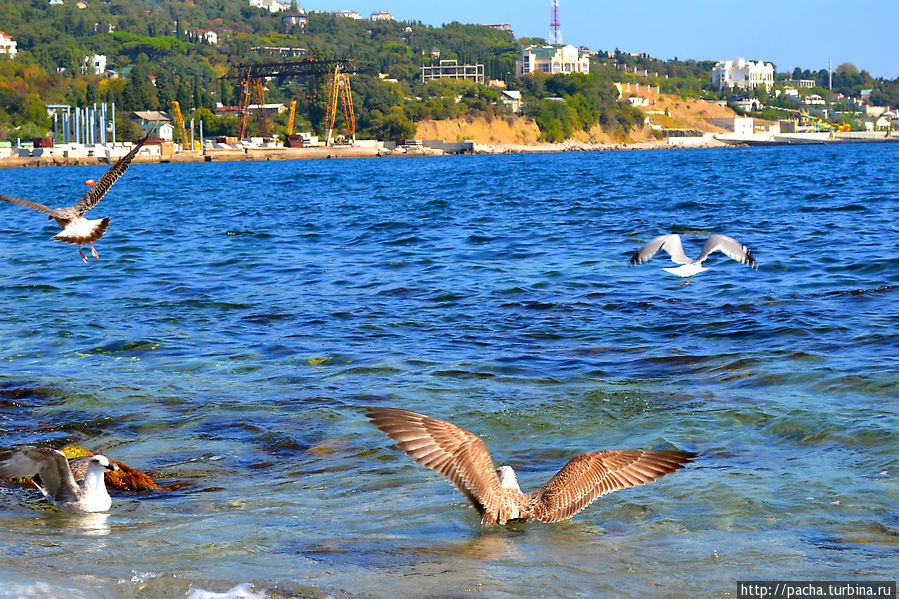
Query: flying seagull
(74, 485)
(75, 228)
(462, 458)
(729, 246)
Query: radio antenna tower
(555, 26)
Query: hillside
(673, 112)
(509, 130)
(682, 114)
(157, 54)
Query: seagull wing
(28, 204)
(730, 247)
(93, 195)
(669, 243)
(460, 456)
(57, 482)
(78, 467)
(590, 475)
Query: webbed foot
(94, 253)
(83, 257)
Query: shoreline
(311, 153)
(372, 151)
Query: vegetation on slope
(154, 48)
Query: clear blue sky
(789, 33)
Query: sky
(789, 33)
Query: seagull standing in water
(462, 458)
(76, 229)
(729, 246)
(76, 485)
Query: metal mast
(555, 25)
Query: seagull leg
(681, 281)
(690, 279)
(94, 253)
(83, 257)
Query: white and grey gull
(76, 229)
(463, 459)
(689, 267)
(77, 485)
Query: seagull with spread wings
(76, 229)
(462, 458)
(74, 485)
(729, 246)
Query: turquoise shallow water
(242, 312)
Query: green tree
(391, 126)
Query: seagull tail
(82, 230)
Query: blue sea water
(241, 313)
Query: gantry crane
(339, 88)
(251, 77)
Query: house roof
(542, 52)
(151, 115)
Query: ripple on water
(238, 319)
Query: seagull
(75, 228)
(462, 458)
(74, 485)
(729, 246)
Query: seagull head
(101, 462)
(507, 478)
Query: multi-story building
(381, 15)
(8, 45)
(745, 74)
(451, 69)
(552, 60)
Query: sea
(242, 314)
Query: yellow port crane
(290, 115)
(179, 122)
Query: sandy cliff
(682, 114)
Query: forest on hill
(159, 55)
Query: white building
(95, 64)
(272, 6)
(8, 45)
(814, 100)
(744, 74)
(552, 60)
(204, 35)
(512, 98)
(349, 14)
(381, 15)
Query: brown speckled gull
(76, 229)
(463, 459)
